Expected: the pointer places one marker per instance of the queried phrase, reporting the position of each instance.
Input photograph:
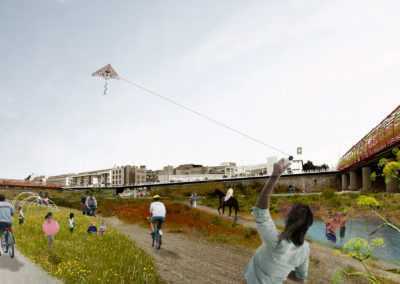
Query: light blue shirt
(274, 259)
(6, 212)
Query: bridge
(358, 162)
(304, 182)
(23, 184)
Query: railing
(383, 136)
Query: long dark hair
(299, 219)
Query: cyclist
(6, 213)
(157, 213)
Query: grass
(82, 258)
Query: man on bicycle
(157, 213)
(6, 213)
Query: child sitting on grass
(102, 228)
(71, 222)
(92, 229)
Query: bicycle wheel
(11, 245)
(6, 244)
(3, 243)
(159, 241)
(158, 236)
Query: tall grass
(81, 258)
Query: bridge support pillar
(392, 186)
(366, 178)
(345, 183)
(353, 180)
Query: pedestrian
(83, 204)
(45, 199)
(284, 255)
(50, 228)
(21, 216)
(91, 205)
(71, 222)
(193, 200)
(102, 228)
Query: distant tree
(324, 167)
(309, 166)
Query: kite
(107, 72)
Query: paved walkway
(20, 270)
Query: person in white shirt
(71, 222)
(228, 195)
(158, 213)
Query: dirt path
(185, 260)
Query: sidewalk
(20, 270)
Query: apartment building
(97, 178)
(62, 180)
(128, 175)
(190, 169)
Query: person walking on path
(193, 200)
(282, 255)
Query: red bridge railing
(383, 136)
(27, 184)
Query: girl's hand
(280, 167)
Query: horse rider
(229, 194)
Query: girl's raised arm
(265, 195)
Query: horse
(232, 202)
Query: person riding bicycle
(91, 205)
(157, 213)
(6, 213)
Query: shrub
(249, 233)
(328, 194)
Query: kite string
(219, 123)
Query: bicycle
(156, 235)
(8, 242)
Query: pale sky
(316, 74)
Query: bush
(249, 233)
(328, 194)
